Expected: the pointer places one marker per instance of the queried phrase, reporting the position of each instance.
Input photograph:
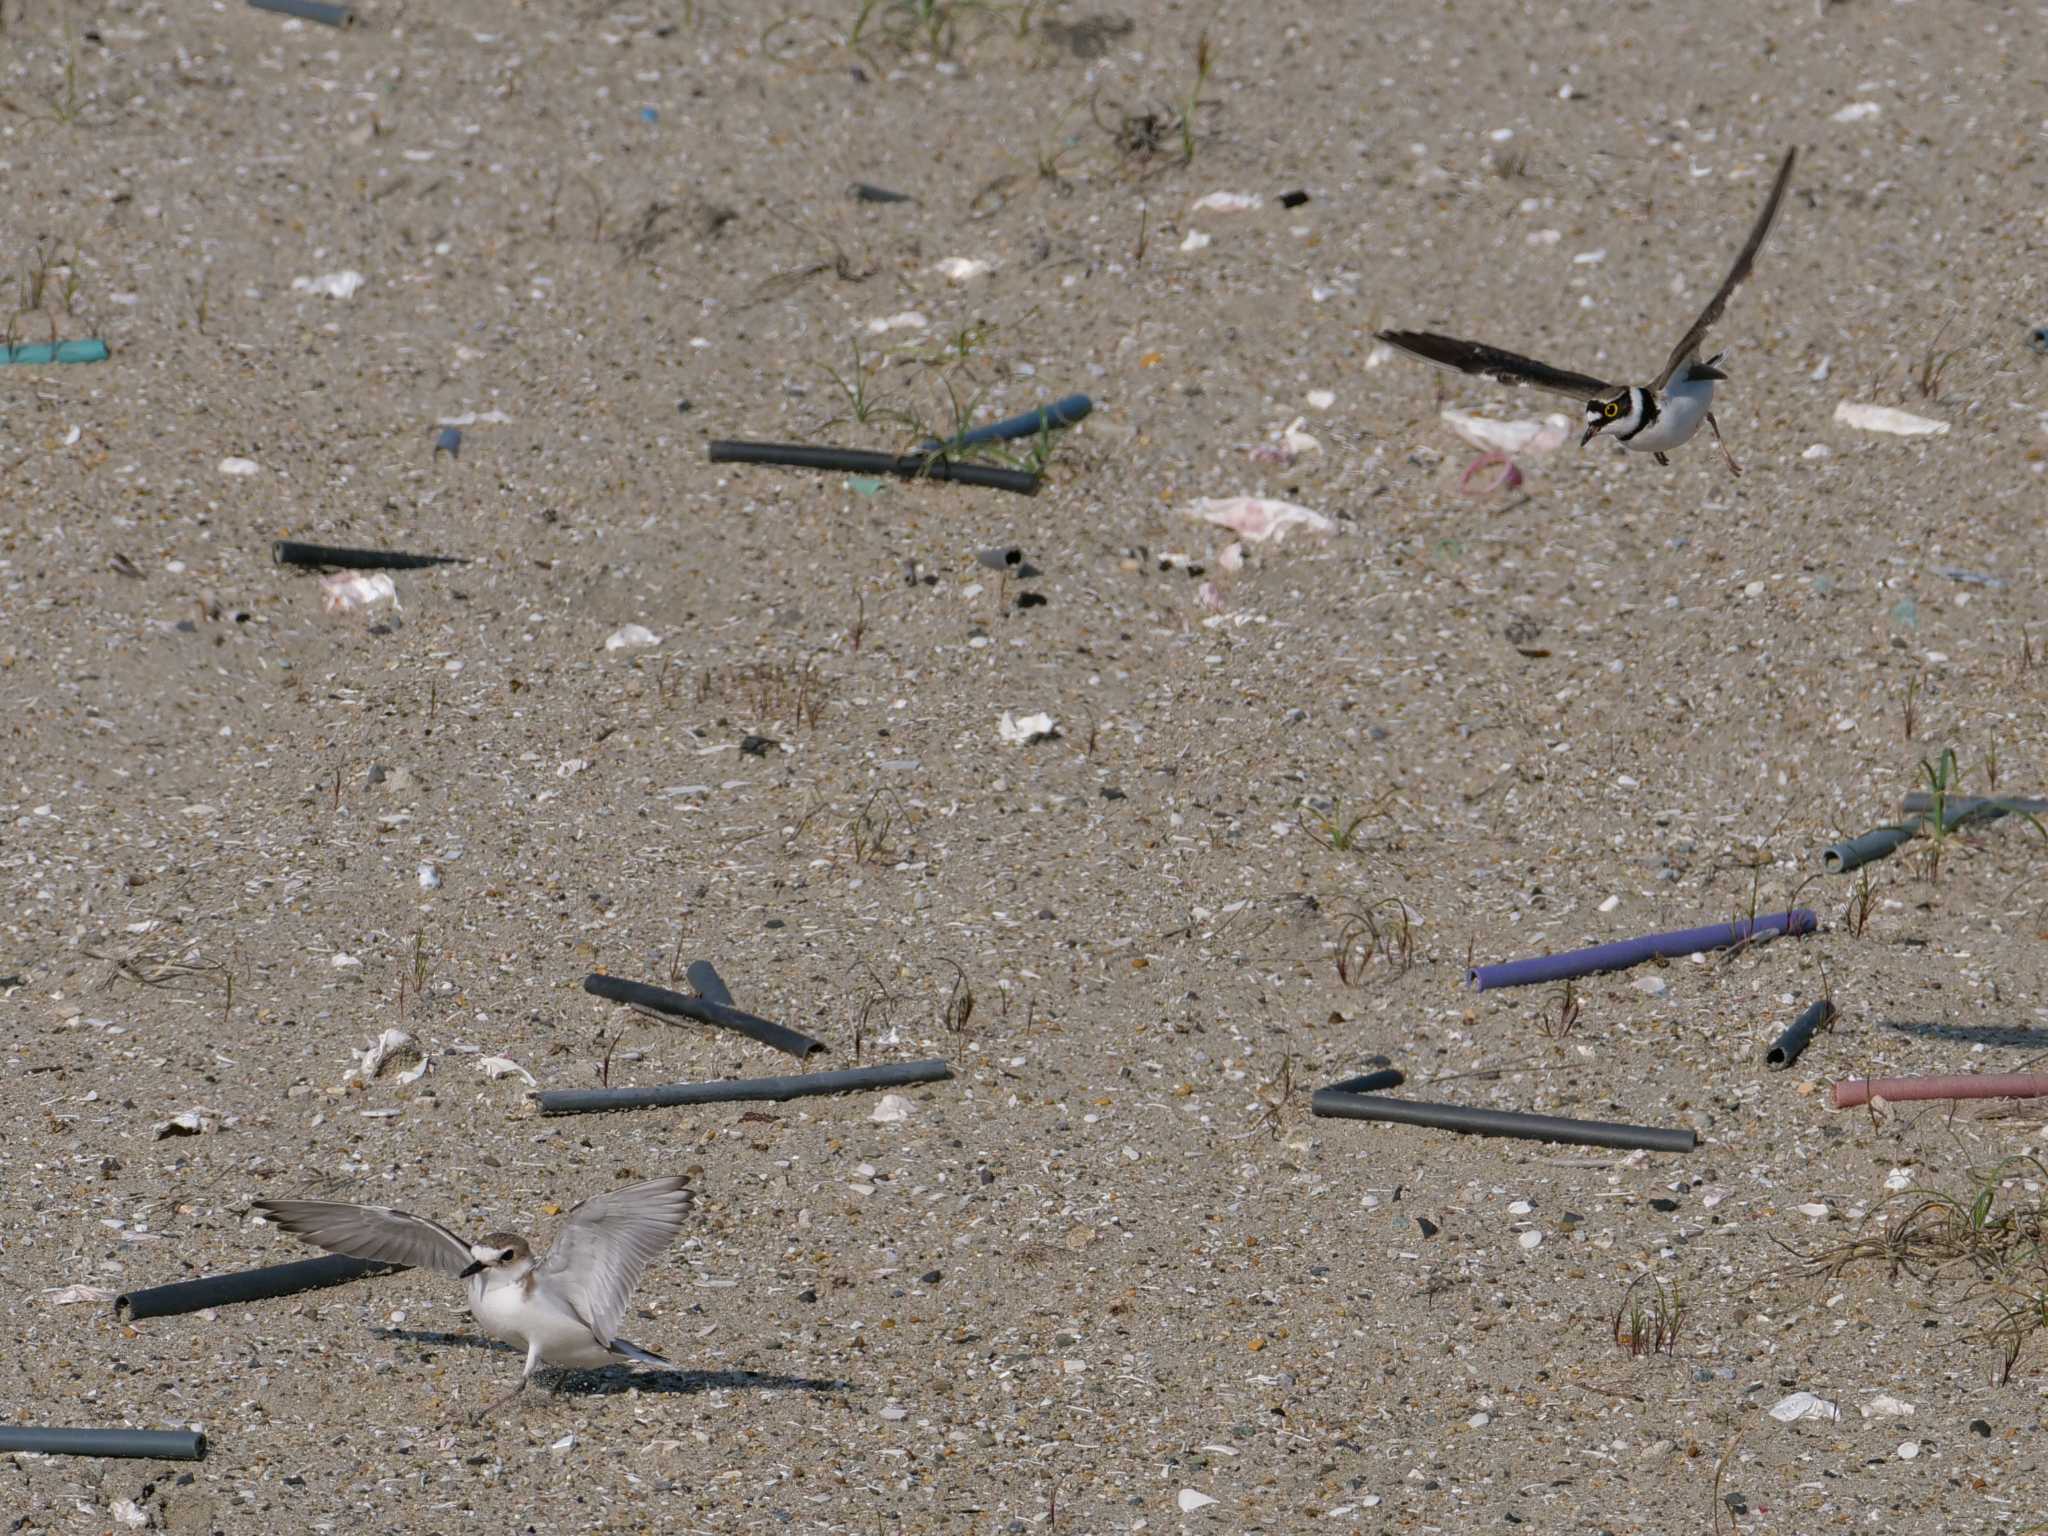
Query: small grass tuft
(1376, 932)
(1562, 1016)
(1648, 1323)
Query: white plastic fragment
(1380, 355)
(1803, 1405)
(71, 1295)
(1322, 399)
(1899, 1178)
(631, 637)
(1228, 202)
(1884, 1405)
(430, 878)
(903, 320)
(1257, 518)
(1195, 241)
(189, 1122)
(1190, 1500)
(1023, 731)
(1857, 111)
(1530, 1240)
(233, 466)
(1610, 904)
(961, 269)
(1815, 1211)
(893, 1110)
(1882, 418)
(128, 1512)
(371, 1061)
(413, 1074)
(331, 285)
(1520, 436)
(347, 591)
(496, 1067)
(1908, 1449)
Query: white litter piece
(331, 285)
(1908, 1449)
(190, 1122)
(1899, 1178)
(1530, 1239)
(962, 269)
(1857, 111)
(1803, 1405)
(370, 1062)
(71, 1295)
(1885, 1406)
(1882, 418)
(1196, 240)
(1295, 439)
(346, 591)
(502, 1066)
(1257, 518)
(233, 466)
(412, 1075)
(631, 637)
(1230, 558)
(1520, 436)
(1228, 202)
(128, 1512)
(903, 320)
(893, 1110)
(1814, 1210)
(1380, 354)
(473, 418)
(1321, 399)
(430, 878)
(1610, 904)
(1025, 730)
(345, 962)
(1190, 1500)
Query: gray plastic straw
(154, 1444)
(1786, 1048)
(704, 1011)
(1370, 1082)
(308, 10)
(573, 1101)
(1921, 802)
(1855, 852)
(248, 1285)
(858, 461)
(1500, 1122)
(709, 984)
(292, 552)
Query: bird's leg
(1733, 467)
(1662, 460)
(532, 1360)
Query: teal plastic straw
(93, 351)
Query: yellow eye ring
(1612, 408)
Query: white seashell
(1022, 732)
(1803, 1405)
(1886, 1406)
(1190, 1500)
(346, 591)
(1856, 112)
(1195, 241)
(239, 466)
(1228, 202)
(903, 320)
(430, 878)
(1321, 399)
(1882, 418)
(331, 285)
(893, 1110)
(631, 637)
(961, 269)
(501, 1066)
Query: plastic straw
(709, 984)
(572, 1101)
(1500, 1122)
(291, 552)
(1885, 841)
(704, 1011)
(1627, 952)
(248, 1285)
(1853, 1091)
(92, 350)
(1998, 805)
(1798, 1035)
(1061, 413)
(308, 10)
(1370, 1082)
(912, 466)
(155, 1444)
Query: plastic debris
(449, 442)
(1191, 1499)
(1196, 240)
(1228, 202)
(1257, 518)
(1884, 1405)
(371, 1061)
(72, 1295)
(962, 269)
(1856, 112)
(631, 637)
(1517, 436)
(903, 320)
(90, 350)
(1286, 444)
(239, 467)
(430, 878)
(496, 1067)
(893, 1110)
(1507, 476)
(1882, 418)
(190, 1122)
(1803, 1405)
(331, 285)
(346, 591)
(1027, 730)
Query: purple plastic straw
(1627, 952)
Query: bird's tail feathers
(640, 1356)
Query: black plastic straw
(709, 984)
(704, 1011)
(308, 10)
(1063, 412)
(912, 466)
(572, 1101)
(248, 1285)
(1500, 1122)
(291, 552)
(1786, 1048)
(155, 1444)
(1920, 801)
(1370, 1082)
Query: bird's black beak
(1705, 371)
(475, 1269)
(1592, 432)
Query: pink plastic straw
(1853, 1091)
(1509, 477)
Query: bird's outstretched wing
(607, 1244)
(370, 1232)
(1685, 351)
(1476, 357)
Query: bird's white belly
(1679, 416)
(530, 1320)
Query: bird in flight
(1647, 418)
(563, 1309)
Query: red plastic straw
(1853, 1091)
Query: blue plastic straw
(1061, 413)
(1651, 946)
(90, 351)
(308, 10)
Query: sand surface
(1113, 1267)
